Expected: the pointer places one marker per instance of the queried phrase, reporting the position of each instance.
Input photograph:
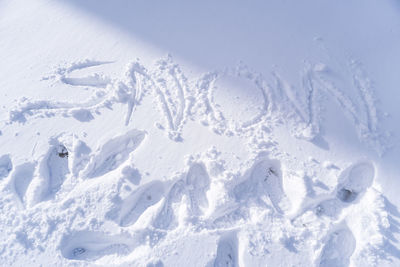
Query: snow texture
(199, 134)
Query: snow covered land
(200, 133)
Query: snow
(199, 134)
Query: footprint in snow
(55, 169)
(89, 246)
(197, 182)
(263, 179)
(21, 178)
(338, 248)
(80, 156)
(353, 183)
(165, 217)
(227, 251)
(195, 185)
(129, 210)
(51, 174)
(113, 153)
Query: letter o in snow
(238, 97)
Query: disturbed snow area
(105, 160)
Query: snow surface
(209, 133)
